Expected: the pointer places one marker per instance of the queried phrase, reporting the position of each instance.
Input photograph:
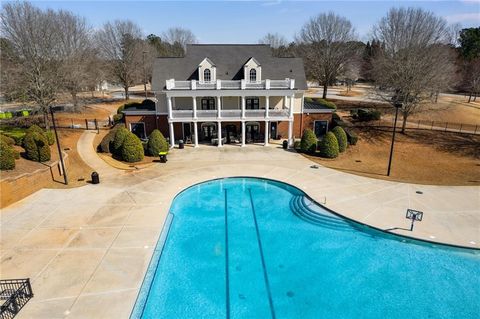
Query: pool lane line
(259, 241)
(227, 277)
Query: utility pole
(59, 147)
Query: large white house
(228, 94)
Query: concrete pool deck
(86, 249)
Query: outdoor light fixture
(414, 215)
(397, 105)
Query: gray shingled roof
(229, 60)
(315, 107)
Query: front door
(208, 103)
(273, 130)
(252, 131)
(231, 131)
(320, 128)
(187, 132)
(252, 103)
(209, 131)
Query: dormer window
(207, 75)
(253, 75)
(252, 71)
(207, 71)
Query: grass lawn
(423, 157)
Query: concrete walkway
(87, 249)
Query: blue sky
(247, 21)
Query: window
(320, 128)
(253, 75)
(206, 75)
(208, 103)
(252, 103)
(138, 129)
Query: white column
(195, 130)
(219, 106)
(172, 136)
(169, 104)
(219, 135)
(267, 106)
(292, 101)
(243, 107)
(267, 131)
(194, 102)
(243, 133)
(290, 133)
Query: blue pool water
(252, 248)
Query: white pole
(266, 133)
(243, 107)
(290, 133)
(169, 104)
(219, 135)
(219, 107)
(194, 100)
(172, 136)
(195, 129)
(243, 133)
(267, 106)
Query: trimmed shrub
(118, 140)
(50, 135)
(156, 143)
(365, 115)
(309, 141)
(296, 145)
(6, 139)
(105, 145)
(120, 109)
(117, 118)
(36, 147)
(7, 156)
(329, 146)
(352, 137)
(132, 149)
(325, 103)
(35, 128)
(341, 138)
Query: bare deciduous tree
(274, 40)
(415, 62)
(326, 44)
(122, 46)
(33, 35)
(179, 36)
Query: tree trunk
(75, 100)
(469, 97)
(436, 96)
(45, 118)
(126, 93)
(404, 123)
(325, 88)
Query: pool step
(300, 206)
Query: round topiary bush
(8, 140)
(156, 143)
(35, 128)
(120, 136)
(329, 146)
(36, 147)
(7, 156)
(105, 145)
(132, 149)
(341, 138)
(50, 135)
(308, 142)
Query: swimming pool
(254, 248)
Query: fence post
(446, 124)
(96, 126)
(432, 126)
(86, 124)
(461, 124)
(476, 126)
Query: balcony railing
(231, 114)
(14, 293)
(286, 84)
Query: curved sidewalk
(89, 155)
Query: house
(219, 94)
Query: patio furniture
(214, 141)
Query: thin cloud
(463, 17)
(271, 3)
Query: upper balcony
(287, 84)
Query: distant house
(229, 94)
